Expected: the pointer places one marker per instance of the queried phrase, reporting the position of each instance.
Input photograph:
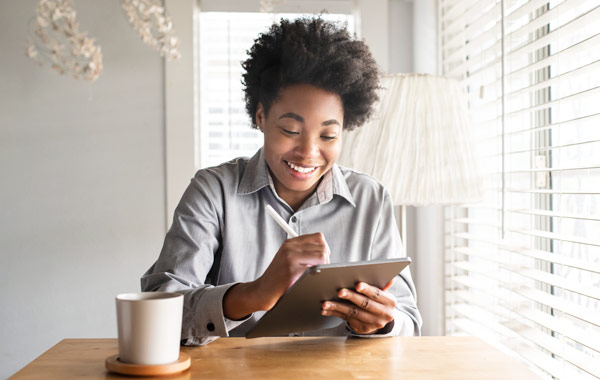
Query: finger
(389, 284)
(314, 237)
(308, 245)
(357, 325)
(349, 312)
(314, 243)
(310, 254)
(355, 321)
(317, 240)
(311, 258)
(379, 295)
(362, 301)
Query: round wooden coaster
(113, 364)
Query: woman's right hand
(292, 259)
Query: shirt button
(294, 219)
(210, 327)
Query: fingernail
(343, 293)
(324, 312)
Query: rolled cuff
(205, 322)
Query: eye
(289, 132)
(329, 138)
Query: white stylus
(286, 227)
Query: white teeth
(300, 169)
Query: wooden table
(300, 358)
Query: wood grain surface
(299, 358)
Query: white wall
(400, 21)
(81, 183)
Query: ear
(260, 117)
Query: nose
(308, 147)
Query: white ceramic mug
(149, 325)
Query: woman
(305, 81)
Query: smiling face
(303, 139)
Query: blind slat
(587, 70)
(494, 120)
(564, 351)
(548, 364)
(588, 17)
(592, 42)
(590, 92)
(493, 316)
(538, 296)
(572, 50)
(554, 214)
(555, 169)
(557, 192)
(566, 329)
(546, 320)
(469, 236)
(461, 37)
(566, 307)
(485, 318)
(548, 148)
(524, 10)
(456, 14)
(556, 236)
(545, 18)
(539, 255)
(479, 69)
(550, 279)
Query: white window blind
(225, 131)
(523, 267)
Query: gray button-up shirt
(221, 235)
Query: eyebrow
(291, 115)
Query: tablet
(299, 309)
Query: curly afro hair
(316, 52)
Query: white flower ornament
(149, 20)
(57, 41)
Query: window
(523, 267)
(225, 131)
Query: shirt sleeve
(388, 244)
(189, 264)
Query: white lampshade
(417, 143)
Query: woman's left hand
(370, 308)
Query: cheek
(333, 152)
(275, 145)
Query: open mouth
(301, 169)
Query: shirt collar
(334, 183)
(256, 176)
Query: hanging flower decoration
(57, 41)
(268, 6)
(150, 21)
